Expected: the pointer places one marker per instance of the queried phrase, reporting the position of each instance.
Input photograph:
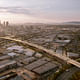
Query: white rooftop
(63, 41)
(29, 52)
(38, 55)
(16, 47)
(12, 54)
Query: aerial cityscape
(39, 40)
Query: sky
(39, 11)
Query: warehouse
(7, 64)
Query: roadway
(66, 75)
(50, 52)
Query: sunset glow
(21, 11)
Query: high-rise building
(4, 23)
(0, 22)
(7, 23)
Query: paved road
(67, 74)
(60, 57)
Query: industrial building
(24, 62)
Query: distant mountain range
(63, 23)
(73, 23)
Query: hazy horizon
(39, 11)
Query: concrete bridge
(50, 52)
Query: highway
(50, 52)
(66, 75)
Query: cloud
(15, 10)
(33, 12)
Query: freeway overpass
(50, 52)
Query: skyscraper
(7, 23)
(4, 23)
(0, 22)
